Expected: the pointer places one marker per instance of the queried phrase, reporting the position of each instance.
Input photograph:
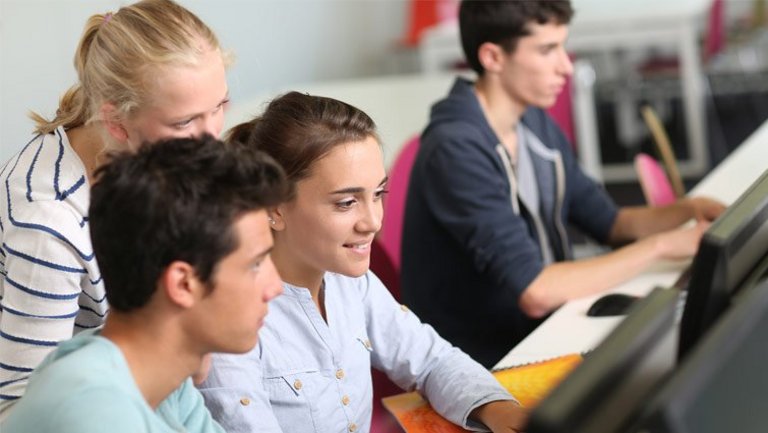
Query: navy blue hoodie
(469, 248)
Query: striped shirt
(50, 285)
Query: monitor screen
(605, 391)
(729, 251)
(721, 385)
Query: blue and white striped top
(50, 285)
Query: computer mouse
(612, 304)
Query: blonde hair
(117, 54)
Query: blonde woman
(150, 70)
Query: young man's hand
(681, 243)
(704, 209)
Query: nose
(215, 124)
(565, 65)
(273, 285)
(211, 124)
(370, 218)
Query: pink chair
(381, 420)
(394, 202)
(653, 181)
(562, 112)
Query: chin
(546, 104)
(245, 347)
(353, 272)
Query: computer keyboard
(681, 283)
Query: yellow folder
(529, 383)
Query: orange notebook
(529, 383)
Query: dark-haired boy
(182, 238)
(485, 248)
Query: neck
(88, 143)
(293, 272)
(502, 112)
(156, 353)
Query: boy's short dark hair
(504, 22)
(176, 199)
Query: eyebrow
(262, 254)
(357, 189)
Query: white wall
(276, 43)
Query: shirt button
(340, 374)
(245, 401)
(352, 427)
(297, 384)
(345, 400)
(404, 308)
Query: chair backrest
(382, 266)
(562, 112)
(664, 148)
(653, 181)
(394, 202)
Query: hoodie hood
(462, 106)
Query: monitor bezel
(574, 401)
(728, 252)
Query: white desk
(605, 25)
(569, 330)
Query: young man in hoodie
(181, 234)
(485, 249)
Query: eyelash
(184, 123)
(257, 266)
(222, 105)
(380, 193)
(347, 204)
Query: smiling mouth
(359, 247)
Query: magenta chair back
(394, 202)
(562, 112)
(654, 182)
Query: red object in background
(562, 112)
(423, 14)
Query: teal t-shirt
(86, 386)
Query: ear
(111, 119)
(181, 285)
(276, 220)
(491, 56)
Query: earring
(271, 221)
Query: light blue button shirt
(306, 375)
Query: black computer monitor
(721, 385)
(733, 246)
(607, 389)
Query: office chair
(394, 202)
(664, 149)
(381, 421)
(653, 181)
